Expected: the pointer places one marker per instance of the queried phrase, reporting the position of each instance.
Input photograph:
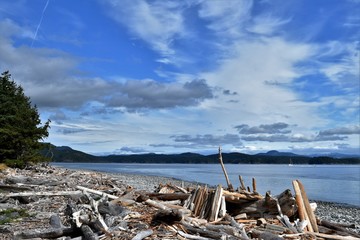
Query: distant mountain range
(67, 154)
(278, 154)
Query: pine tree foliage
(20, 125)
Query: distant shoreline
(67, 154)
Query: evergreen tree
(20, 125)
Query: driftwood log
(172, 212)
(230, 186)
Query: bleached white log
(95, 205)
(49, 194)
(143, 234)
(156, 204)
(96, 192)
(222, 210)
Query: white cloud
(249, 79)
(226, 19)
(345, 71)
(10, 28)
(266, 24)
(49, 78)
(349, 130)
(159, 23)
(259, 72)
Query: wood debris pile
(86, 205)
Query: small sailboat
(290, 163)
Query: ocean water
(333, 183)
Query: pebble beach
(333, 212)
(54, 178)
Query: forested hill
(67, 154)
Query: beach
(333, 212)
(60, 179)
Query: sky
(169, 76)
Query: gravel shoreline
(339, 213)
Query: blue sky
(138, 76)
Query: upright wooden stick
(254, 185)
(308, 207)
(299, 202)
(230, 187)
(215, 207)
(242, 187)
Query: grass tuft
(12, 214)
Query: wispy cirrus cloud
(159, 24)
(226, 19)
(345, 71)
(266, 24)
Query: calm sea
(334, 183)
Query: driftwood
(265, 235)
(24, 180)
(337, 228)
(307, 206)
(262, 207)
(201, 231)
(96, 192)
(48, 194)
(254, 185)
(216, 202)
(39, 233)
(236, 225)
(331, 236)
(304, 208)
(171, 212)
(299, 201)
(168, 216)
(57, 230)
(167, 197)
(236, 197)
(143, 234)
(230, 186)
(189, 236)
(242, 184)
(12, 187)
